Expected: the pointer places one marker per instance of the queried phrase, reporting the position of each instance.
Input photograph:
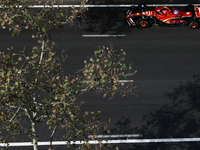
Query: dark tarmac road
(168, 101)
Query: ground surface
(168, 77)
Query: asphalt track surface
(168, 77)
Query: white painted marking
(123, 81)
(117, 136)
(98, 6)
(128, 141)
(94, 36)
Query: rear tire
(189, 8)
(193, 24)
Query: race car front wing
(129, 19)
(131, 22)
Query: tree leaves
(26, 79)
(19, 58)
(34, 51)
(16, 15)
(105, 69)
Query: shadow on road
(122, 126)
(107, 20)
(181, 119)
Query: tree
(24, 94)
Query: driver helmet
(176, 12)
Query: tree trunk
(35, 147)
(51, 138)
(33, 124)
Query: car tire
(193, 24)
(189, 8)
(142, 8)
(143, 23)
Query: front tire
(143, 23)
(142, 8)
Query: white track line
(124, 81)
(94, 36)
(128, 141)
(120, 81)
(98, 6)
(117, 136)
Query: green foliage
(39, 20)
(22, 76)
(104, 70)
(18, 87)
(26, 79)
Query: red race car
(163, 16)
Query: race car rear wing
(197, 11)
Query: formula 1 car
(163, 16)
